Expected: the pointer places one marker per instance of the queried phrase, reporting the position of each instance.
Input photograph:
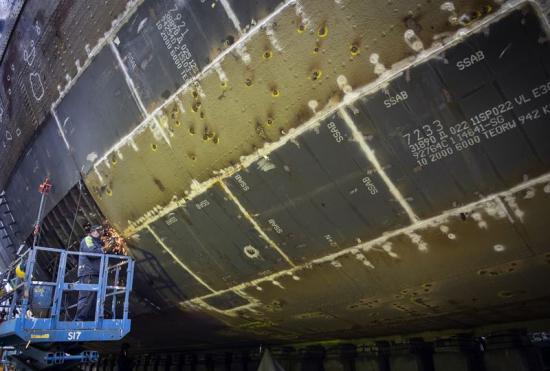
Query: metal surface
(47, 157)
(97, 110)
(302, 170)
(52, 42)
(166, 43)
(9, 14)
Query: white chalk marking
(270, 33)
(232, 16)
(256, 226)
(135, 93)
(60, 128)
(117, 24)
(178, 260)
(409, 230)
(190, 83)
(369, 153)
(350, 98)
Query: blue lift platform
(37, 307)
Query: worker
(88, 272)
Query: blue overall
(88, 272)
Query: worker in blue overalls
(88, 272)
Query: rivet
(354, 50)
(154, 147)
(268, 54)
(177, 123)
(248, 82)
(192, 156)
(192, 130)
(274, 92)
(301, 28)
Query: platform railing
(38, 304)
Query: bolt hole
(316, 75)
(323, 31)
(506, 294)
(229, 40)
(251, 252)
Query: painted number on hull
(73, 335)
(338, 137)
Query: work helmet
(96, 227)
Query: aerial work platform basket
(39, 292)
